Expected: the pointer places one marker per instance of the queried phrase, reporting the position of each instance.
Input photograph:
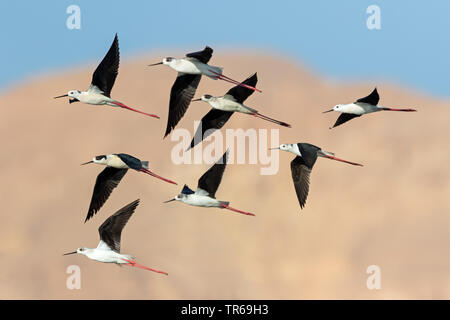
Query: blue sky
(331, 37)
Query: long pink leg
(137, 265)
(236, 210)
(135, 110)
(404, 110)
(284, 124)
(225, 78)
(156, 176)
(334, 158)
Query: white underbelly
(92, 98)
(228, 105)
(116, 162)
(201, 201)
(186, 66)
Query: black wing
(300, 176)
(106, 181)
(132, 162)
(202, 56)
(372, 98)
(106, 72)
(111, 229)
(210, 180)
(240, 93)
(344, 117)
(181, 94)
(213, 120)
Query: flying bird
(208, 184)
(224, 106)
(190, 69)
(361, 106)
(99, 92)
(108, 249)
(301, 166)
(117, 166)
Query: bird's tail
(214, 72)
(144, 164)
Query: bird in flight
(301, 166)
(117, 166)
(99, 92)
(190, 69)
(361, 106)
(108, 249)
(208, 184)
(225, 106)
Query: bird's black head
(98, 158)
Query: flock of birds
(190, 70)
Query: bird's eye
(168, 59)
(100, 157)
(81, 249)
(207, 96)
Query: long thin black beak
(87, 162)
(328, 111)
(196, 100)
(64, 95)
(155, 64)
(66, 254)
(169, 200)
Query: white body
(92, 96)
(199, 199)
(228, 104)
(103, 253)
(359, 108)
(111, 160)
(193, 66)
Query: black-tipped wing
(181, 94)
(300, 176)
(344, 117)
(106, 181)
(372, 98)
(212, 121)
(111, 229)
(240, 93)
(202, 56)
(106, 72)
(210, 180)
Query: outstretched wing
(105, 183)
(372, 98)
(181, 94)
(105, 74)
(240, 93)
(300, 175)
(202, 56)
(210, 180)
(212, 121)
(344, 117)
(111, 230)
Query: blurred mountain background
(393, 212)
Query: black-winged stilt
(225, 106)
(207, 186)
(116, 167)
(361, 106)
(301, 166)
(102, 82)
(190, 69)
(108, 249)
